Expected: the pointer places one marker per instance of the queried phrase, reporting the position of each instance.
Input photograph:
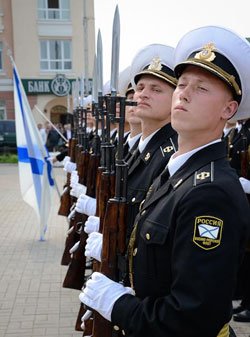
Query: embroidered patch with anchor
(207, 232)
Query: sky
(144, 22)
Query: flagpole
(65, 139)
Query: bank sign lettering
(59, 86)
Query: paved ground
(32, 300)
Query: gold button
(135, 252)
(123, 332)
(143, 212)
(133, 199)
(116, 328)
(148, 236)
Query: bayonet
(94, 83)
(115, 53)
(99, 64)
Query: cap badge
(206, 54)
(155, 64)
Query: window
(53, 10)
(55, 55)
(1, 56)
(2, 110)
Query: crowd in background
(54, 142)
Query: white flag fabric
(35, 171)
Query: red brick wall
(8, 98)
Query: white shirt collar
(227, 130)
(132, 141)
(175, 163)
(143, 143)
(238, 127)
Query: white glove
(245, 183)
(93, 246)
(74, 178)
(66, 158)
(69, 166)
(77, 190)
(74, 248)
(86, 205)
(101, 293)
(92, 224)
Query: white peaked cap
(87, 101)
(230, 60)
(156, 60)
(124, 85)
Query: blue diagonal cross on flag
(35, 171)
(208, 231)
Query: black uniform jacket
(191, 235)
(237, 146)
(147, 167)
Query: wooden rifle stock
(75, 276)
(114, 244)
(93, 165)
(114, 225)
(105, 187)
(65, 205)
(83, 168)
(72, 237)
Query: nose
(185, 94)
(144, 93)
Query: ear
(230, 109)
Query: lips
(143, 104)
(180, 107)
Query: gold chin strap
(224, 331)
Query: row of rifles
(103, 171)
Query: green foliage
(8, 158)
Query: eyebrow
(197, 79)
(151, 85)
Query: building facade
(52, 43)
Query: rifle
(74, 278)
(65, 204)
(72, 235)
(104, 187)
(114, 227)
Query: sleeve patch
(207, 232)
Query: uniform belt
(224, 331)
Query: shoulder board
(204, 175)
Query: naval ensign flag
(35, 170)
